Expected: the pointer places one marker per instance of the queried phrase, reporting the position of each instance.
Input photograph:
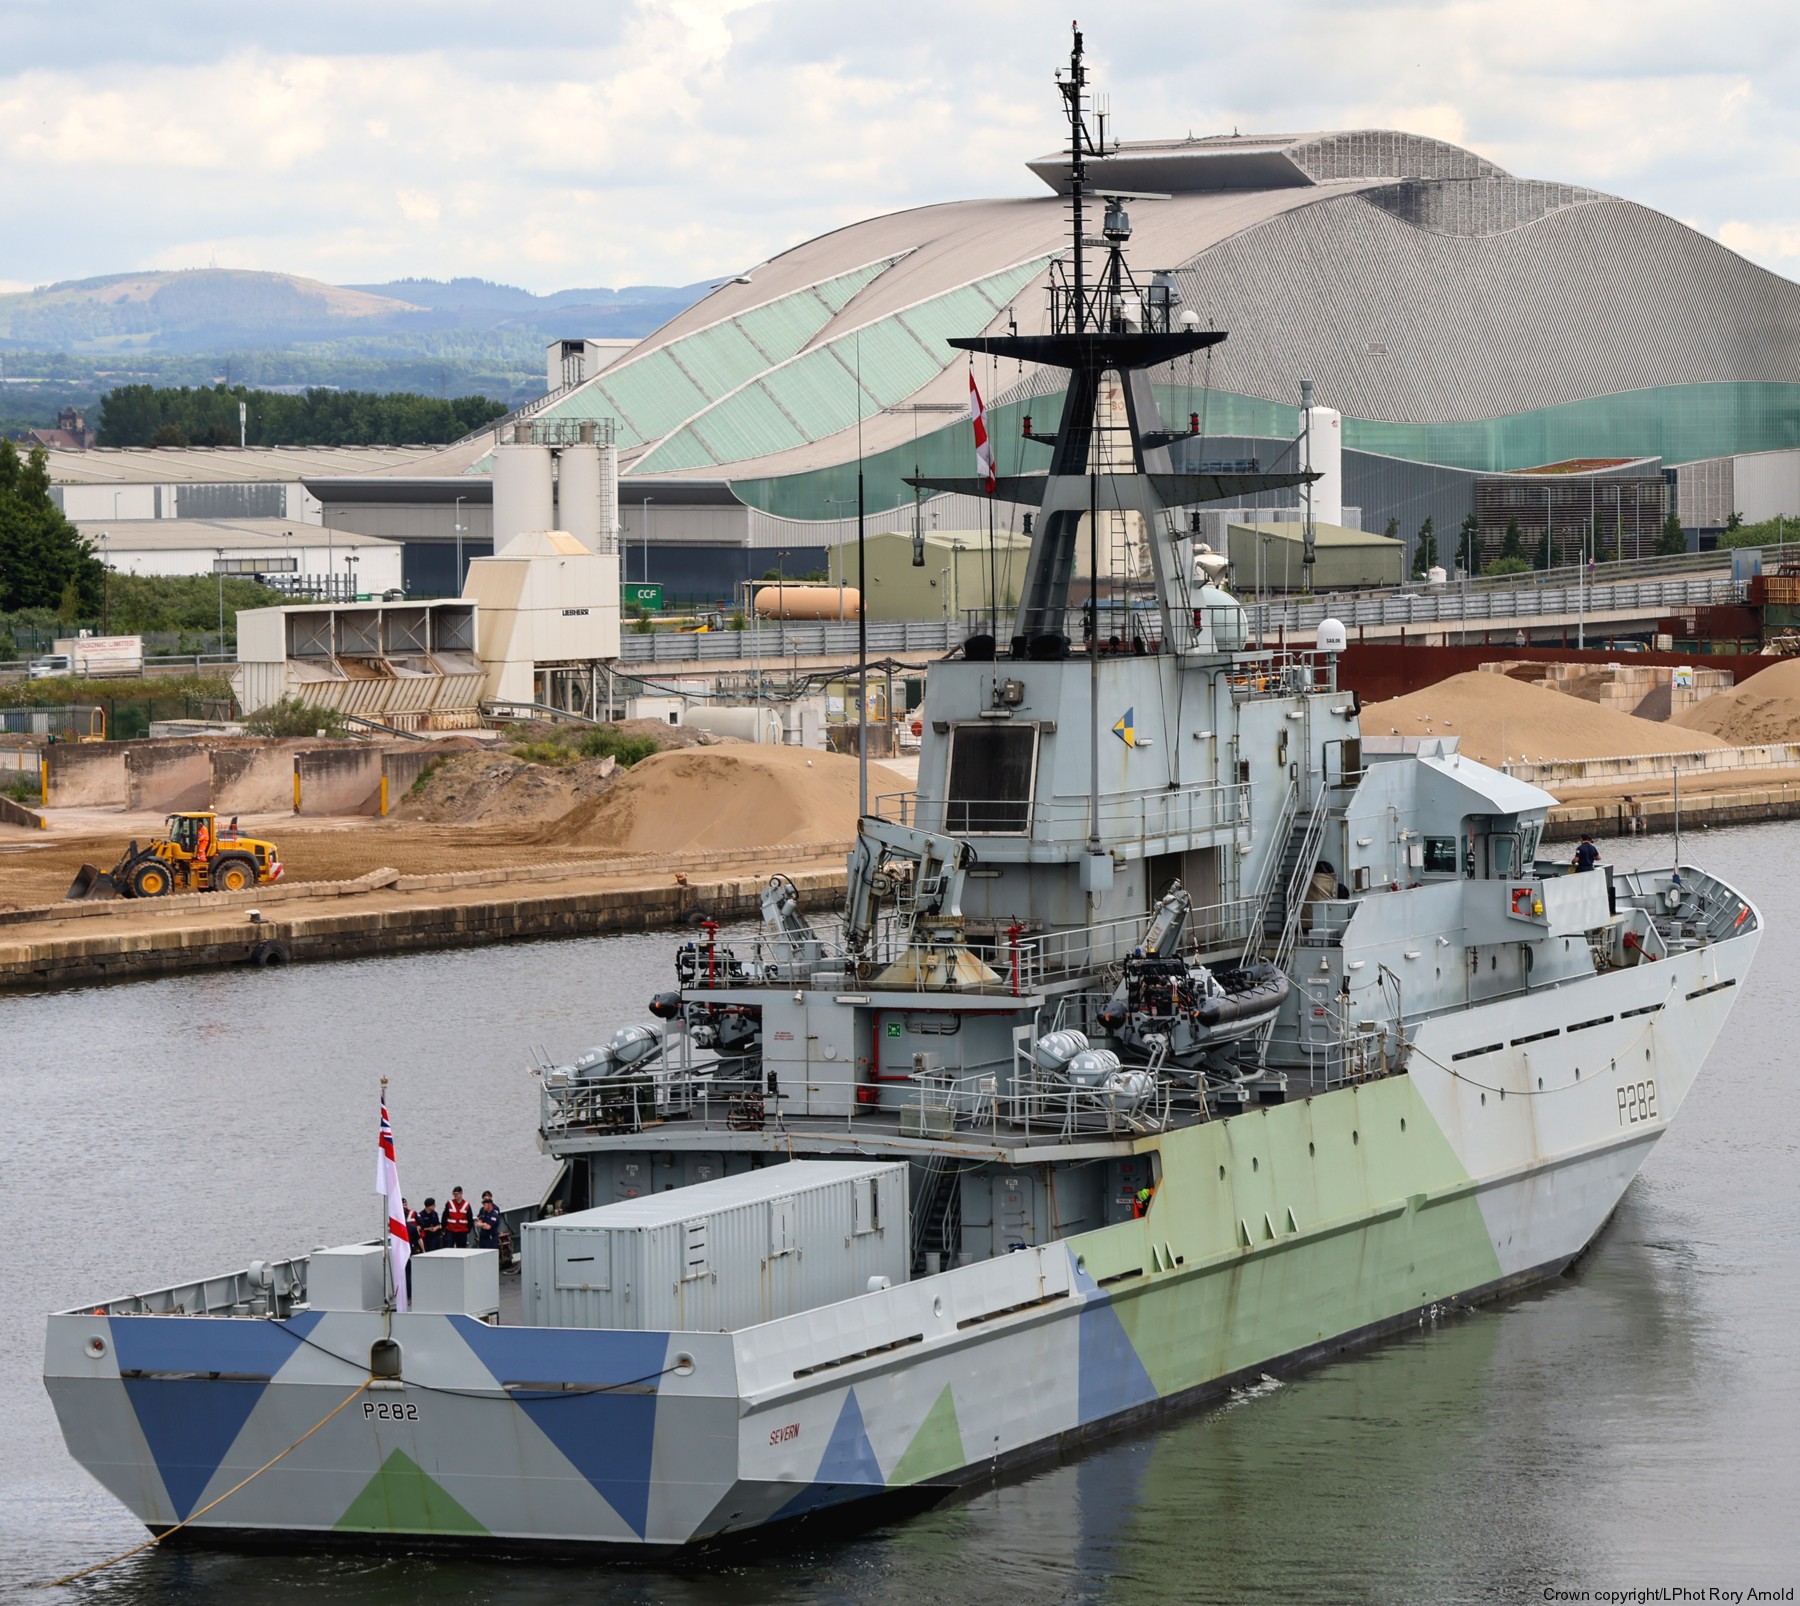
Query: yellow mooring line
(157, 1539)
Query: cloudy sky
(663, 141)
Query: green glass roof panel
(683, 450)
(720, 358)
(753, 425)
(783, 327)
(653, 393)
(836, 293)
(894, 363)
(816, 391)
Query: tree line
(51, 580)
(1513, 556)
(150, 415)
(44, 563)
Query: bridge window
(1440, 855)
(992, 771)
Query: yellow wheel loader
(174, 862)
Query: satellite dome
(1332, 636)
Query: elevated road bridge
(1450, 614)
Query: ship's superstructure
(1177, 1031)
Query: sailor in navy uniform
(487, 1223)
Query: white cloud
(666, 140)
(1773, 245)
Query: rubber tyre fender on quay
(270, 952)
(151, 879)
(232, 872)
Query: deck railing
(986, 1102)
(1150, 815)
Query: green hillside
(191, 309)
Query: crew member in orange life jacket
(457, 1216)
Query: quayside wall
(350, 920)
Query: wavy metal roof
(1493, 311)
(1414, 281)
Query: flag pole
(862, 617)
(387, 1232)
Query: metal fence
(775, 642)
(186, 664)
(1453, 605)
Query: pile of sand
(1497, 718)
(725, 797)
(478, 788)
(484, 787)
(1764, 708)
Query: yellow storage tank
(808, 602)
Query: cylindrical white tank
(1327, 450)
(578, 494)
(808, 602)
(522, 493)
(609, 498)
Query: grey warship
(1092, 1102)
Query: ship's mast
(1113, 325)
(1072, 88)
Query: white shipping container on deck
(720, 1255)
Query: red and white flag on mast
(387, 1184)
(984, 451)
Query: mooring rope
(157, 1539)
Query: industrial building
(537, 622)
(168, 510)
(960, 574)
(1271, 558)
(1464, 322)
(301, 559)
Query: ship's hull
(1274, 1238)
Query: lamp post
(1581, 594)
(105, 576)
(646, 532)
(219, 565)
(459, 535)
(350, 576)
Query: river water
(1636, 1425)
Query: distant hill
(481, 304)
(203, 308)
(66, 345)
(221, 309)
